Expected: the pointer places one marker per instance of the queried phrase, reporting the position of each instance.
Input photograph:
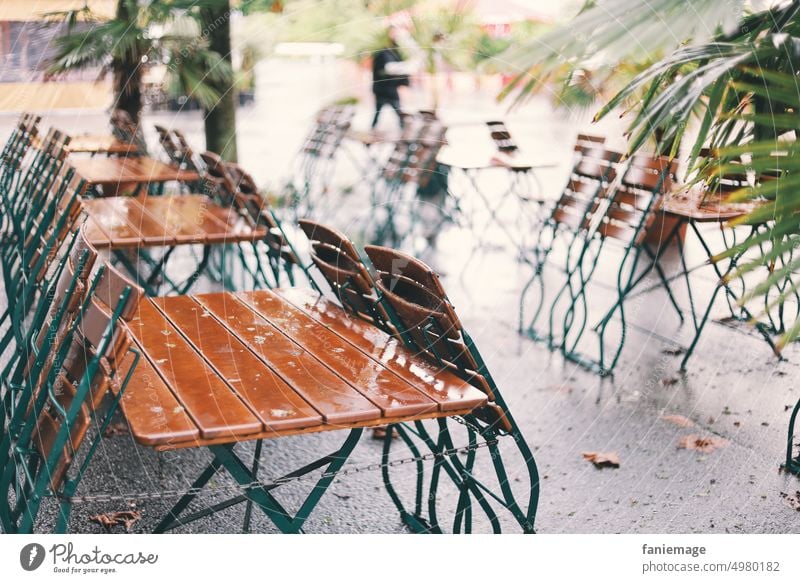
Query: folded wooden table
(222, 368)
(139, 171)
(122, 224)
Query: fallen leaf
(679, 420)
(602, 460)
(379, 432)
(108, 520)
(669, 381)
(677, 351)
(704, 444)
(792, 500)
(118, 428)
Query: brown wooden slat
(449, 391)
(95, 234)
(154, 415)
(141, 170)
(391, 393)
(196, 219)
(339, 427)
(120, 232)
(96, 144)
(152, 230)
(623, 233)
(337, 401)
(214, 407)
(275, 402)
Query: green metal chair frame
(55, 397)
(315, 163)
(424, 318)
(566, 228)
(180, 153)
(624, 216)
(395, 216)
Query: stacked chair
(61, 343)
(126, 130)
(314, 165)
(606, 204)
(230, 185)
(179, 152)
(398, 215)
(405, 298)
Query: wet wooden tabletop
(99, 144)
(128, 170)
(696, 205)
(228, 367)
(169, 220)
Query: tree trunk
(127, 71)
(220, 120)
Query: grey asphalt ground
(735, 389)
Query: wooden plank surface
(445, 388)
(395, 396)
(108, 227)
(276, 403)
(154, 415)
(337, 401)
(99, 144)
(223, 367)
(692, 205)
(212, 404)
(124, 170)
(119, 210)
(129, 222)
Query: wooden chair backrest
(594, 169)
(636, 197)
(253, 205)
(338, 261)
(20, 140)
(90, 359)
(501, 137)
(423, 315)
(216, 180)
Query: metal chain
(104, 498)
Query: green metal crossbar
(258, 493)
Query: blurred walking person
(387, 77)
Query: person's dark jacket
(385, 84)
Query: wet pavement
(735, 389)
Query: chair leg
(472, 495)
(792, 463)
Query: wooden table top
(127, 170)
(225, 367)
(691, 205)
(156, 221)
(99, 144)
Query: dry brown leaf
(118, 428)
(127, 518)
(602, 460)
(702, 443)
(679, 420)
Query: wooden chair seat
(222, 368)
